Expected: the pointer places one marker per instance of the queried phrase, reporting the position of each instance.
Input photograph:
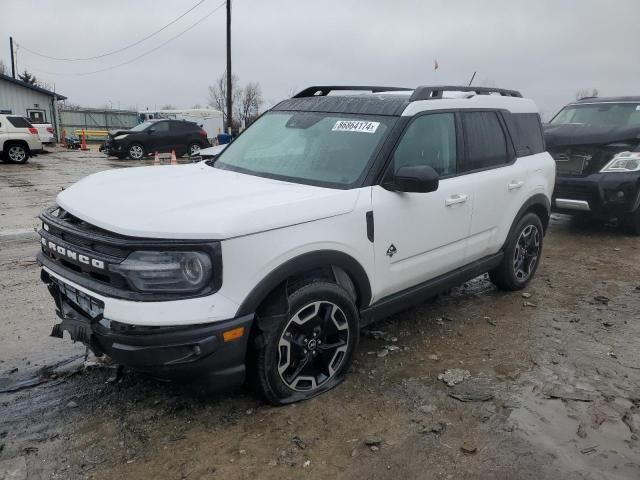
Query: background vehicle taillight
(50, 130)
(203, 133)
(33, 130)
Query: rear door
(499, 181)
(419, 236)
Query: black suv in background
(596, 145)
(161, 136)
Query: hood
(571, 134)
(197, 201)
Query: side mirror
(418, 179)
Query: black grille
(580, 161)
(571, 192)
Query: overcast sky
(548, 49)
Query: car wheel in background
(632, 222)
(308, 350)
(16, 153)
(193, 149)
(521, 255)
(136, 151)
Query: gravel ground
(549, 384)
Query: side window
(429, 140)
(484, 139)
(161, 127)
(527, 133)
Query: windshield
(616, 114)
(325, 149)
(141, 126)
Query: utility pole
(13, 63)
(229, 92)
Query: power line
(113, 52)
(142, 55)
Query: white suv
(18, 139)
(329, 212)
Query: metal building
(35, 103)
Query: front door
(159, 138)
(419, 236)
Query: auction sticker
(355, 126)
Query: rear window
(19, 122)
(526, 130)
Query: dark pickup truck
(596, 145)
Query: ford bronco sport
(596, 145)
(329, 212)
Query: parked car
(596, 145)
(46, 133)
(326, 214)
(18, 139)
(158, 136)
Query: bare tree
(27, 77)
(218, 94)
(249, 103)
(168, 106)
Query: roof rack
(429, 93)
(323, 90)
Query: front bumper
(602, 195)
(183, 351)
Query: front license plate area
(90, 306)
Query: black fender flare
(539, 200)
(302, 264)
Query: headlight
(624, 162)
(120, 137)
(156, 271)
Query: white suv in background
(18, 139)
(327, 213)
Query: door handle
(455, 199)
(515, 185)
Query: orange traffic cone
(156, 159)
(174, 160)
(84, 142)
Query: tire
(632, 222)
(16, 153)
(193, 149)
(308, 350)
(521, 255)
(136, 151)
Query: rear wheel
(16, 153)
(136, 151)
(521, 255)
(308, 350)
(193, 149)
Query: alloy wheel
(194, 149)
(17, 154)
(313, 346)
(525, 255)
(136, 152)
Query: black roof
(31, 87)
(356, 104)
(381, 100)
(608, 99)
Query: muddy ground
(553, 391)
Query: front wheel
(16, 153)
(308, 350)
(136, 151)
(521, 255)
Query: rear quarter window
(19, 122)
(526, 130)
